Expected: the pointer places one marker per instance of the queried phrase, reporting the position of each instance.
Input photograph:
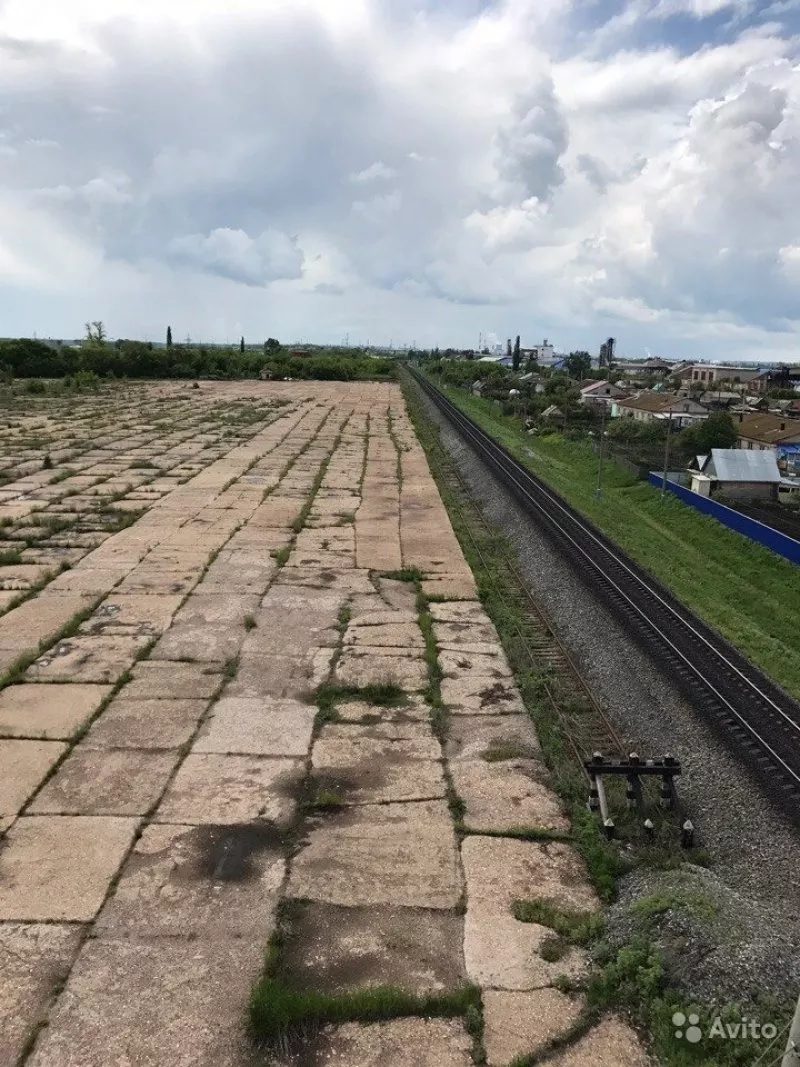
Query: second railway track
(756, 718)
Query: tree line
(31, 358)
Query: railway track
(585, 725)
(751, 713)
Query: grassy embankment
(746, 592)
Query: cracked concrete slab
(612, 1043)
(161, 680)
(476, 694)
(336, 948)
(367, 666)
(78, 854)
(106, 782)
(501, 796)
(23, 767)
(502, 953)
(400, 1043)
(522, 1024)
(36, 958)
(192, 881)
(399, 854)
(87, 659)
(219, 789)
(370, 770)
(492, 738)
(48, 712)
(152, 724)
(125, 998)
(499, 871)
(259, 727)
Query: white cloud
(234, 254)
(374, 172)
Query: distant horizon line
(391, 347)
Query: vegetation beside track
(749, 594)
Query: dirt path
(199, 796)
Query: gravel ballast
(753, 847)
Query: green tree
(578, 365)
(169, 337)
(95, 333)
(516, 356)
(509, 352)
(272, 345)
(717, 431)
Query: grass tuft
(381, 694)
(280, 1014)
(405, 574)
(573, 927)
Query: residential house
(600, 394)
(652, 406)
(681, 370)
(553, 414)
(708, 373)
(736, 474)
(643, 368)
(719, 399)
(762, 431)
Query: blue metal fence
(734, 520)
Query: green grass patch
(433, 692)
(500, 751)
(61, 476)
(325, 800)
(250, 622)
(281, 555)
(280, 1014)
(652, 907)
(574, 927)
(405, 574)
(381, 694)
(10, 556)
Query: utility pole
(666, 457)
(599, 490)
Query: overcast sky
(413, 170)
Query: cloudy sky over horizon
(413, 170)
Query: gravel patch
(753, 846)
(720, 945)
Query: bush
(83, 380)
